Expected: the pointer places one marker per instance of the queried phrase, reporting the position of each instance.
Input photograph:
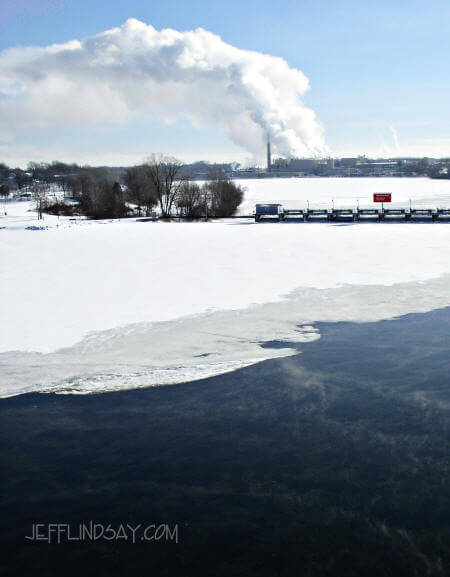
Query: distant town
(348, 167)
(16, 179)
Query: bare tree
(224, 196)
(82, 181)
(63, 181)
(4, 190)
(38, 197)
(190, 200)
(164, 174)
(100, 199)
(140, 188)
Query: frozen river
(344, 192)
(94, 306)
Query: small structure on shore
(269, 210)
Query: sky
(337, 78)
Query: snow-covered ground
(91, 306)
(345, 192)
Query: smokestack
(130, 72)
(269, 156)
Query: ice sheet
(141, 303)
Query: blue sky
(378, 71)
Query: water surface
(331, 462)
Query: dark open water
(331, 463)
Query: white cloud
(134, 71)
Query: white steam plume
(394, 133)
(135, 70)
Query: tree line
(161, 182)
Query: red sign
(382, 197)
